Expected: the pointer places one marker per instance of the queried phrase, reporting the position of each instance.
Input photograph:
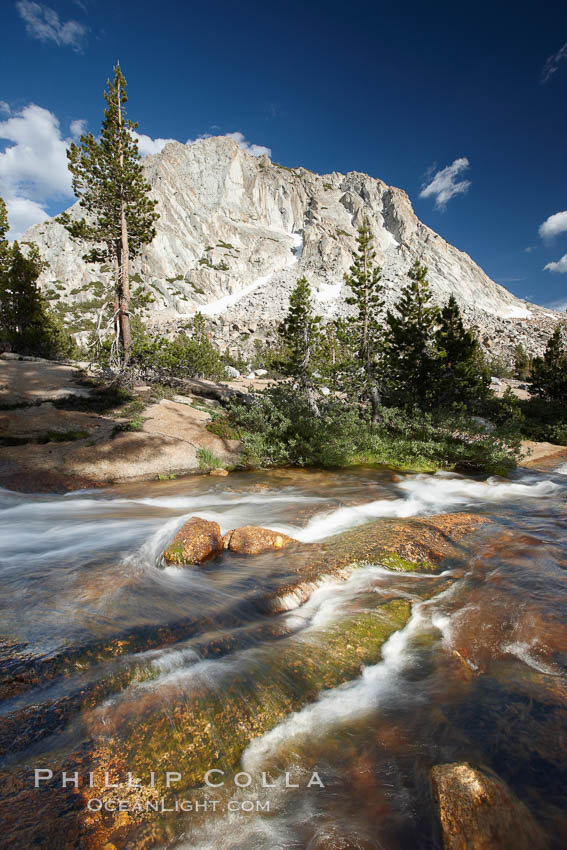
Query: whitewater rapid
(49, 528)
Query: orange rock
(197, 541)
(478, 811)
(219, 472)
(252, 540)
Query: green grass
(208, 459)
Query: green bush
(531, 419)
(190, 355)
(499, 368)
(278, 429)
(223, 428)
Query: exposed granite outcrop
(236, 231)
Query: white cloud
(43, 23)
(148, 146)
(33, 168)
(77, 128)
(36, 161)
(560, 266)
(530, 249)
(255, 150)
(560, 306)
(444, 185)
(555, 224)
(4, 107)
(553, 62)
(23, 214)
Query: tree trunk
(373, 392)
(124, 288)
(305, 379)
(312, 401)
(375, 395)
(124, 273)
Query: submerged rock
(211, 723)
(189, 726)
(196, 542)
(252, 540)
(478, 811)
(422, 544)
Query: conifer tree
(410, 357)
(26, 325)
(109, 182)
(300, 332)
(522, 362)
(334, 356)
(4, 244)
(461, 375)
(363, 278)
(549, 373)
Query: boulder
(197, 541)
(487, 426)
(252, 540)
(478, 811)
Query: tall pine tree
(410, 357)
(461, 375)
(300, 332)
(363, 278)
(108, 180)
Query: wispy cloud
(554, 225)
(559, 267)
(43, 23)
(530, 249)
(445, 185)
(552, 63)
(509, 279)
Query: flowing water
(108, 654)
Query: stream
(109, 658)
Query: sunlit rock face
(236, 231)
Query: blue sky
(401, 92)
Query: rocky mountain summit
(236, 231)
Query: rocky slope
(235, 232)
